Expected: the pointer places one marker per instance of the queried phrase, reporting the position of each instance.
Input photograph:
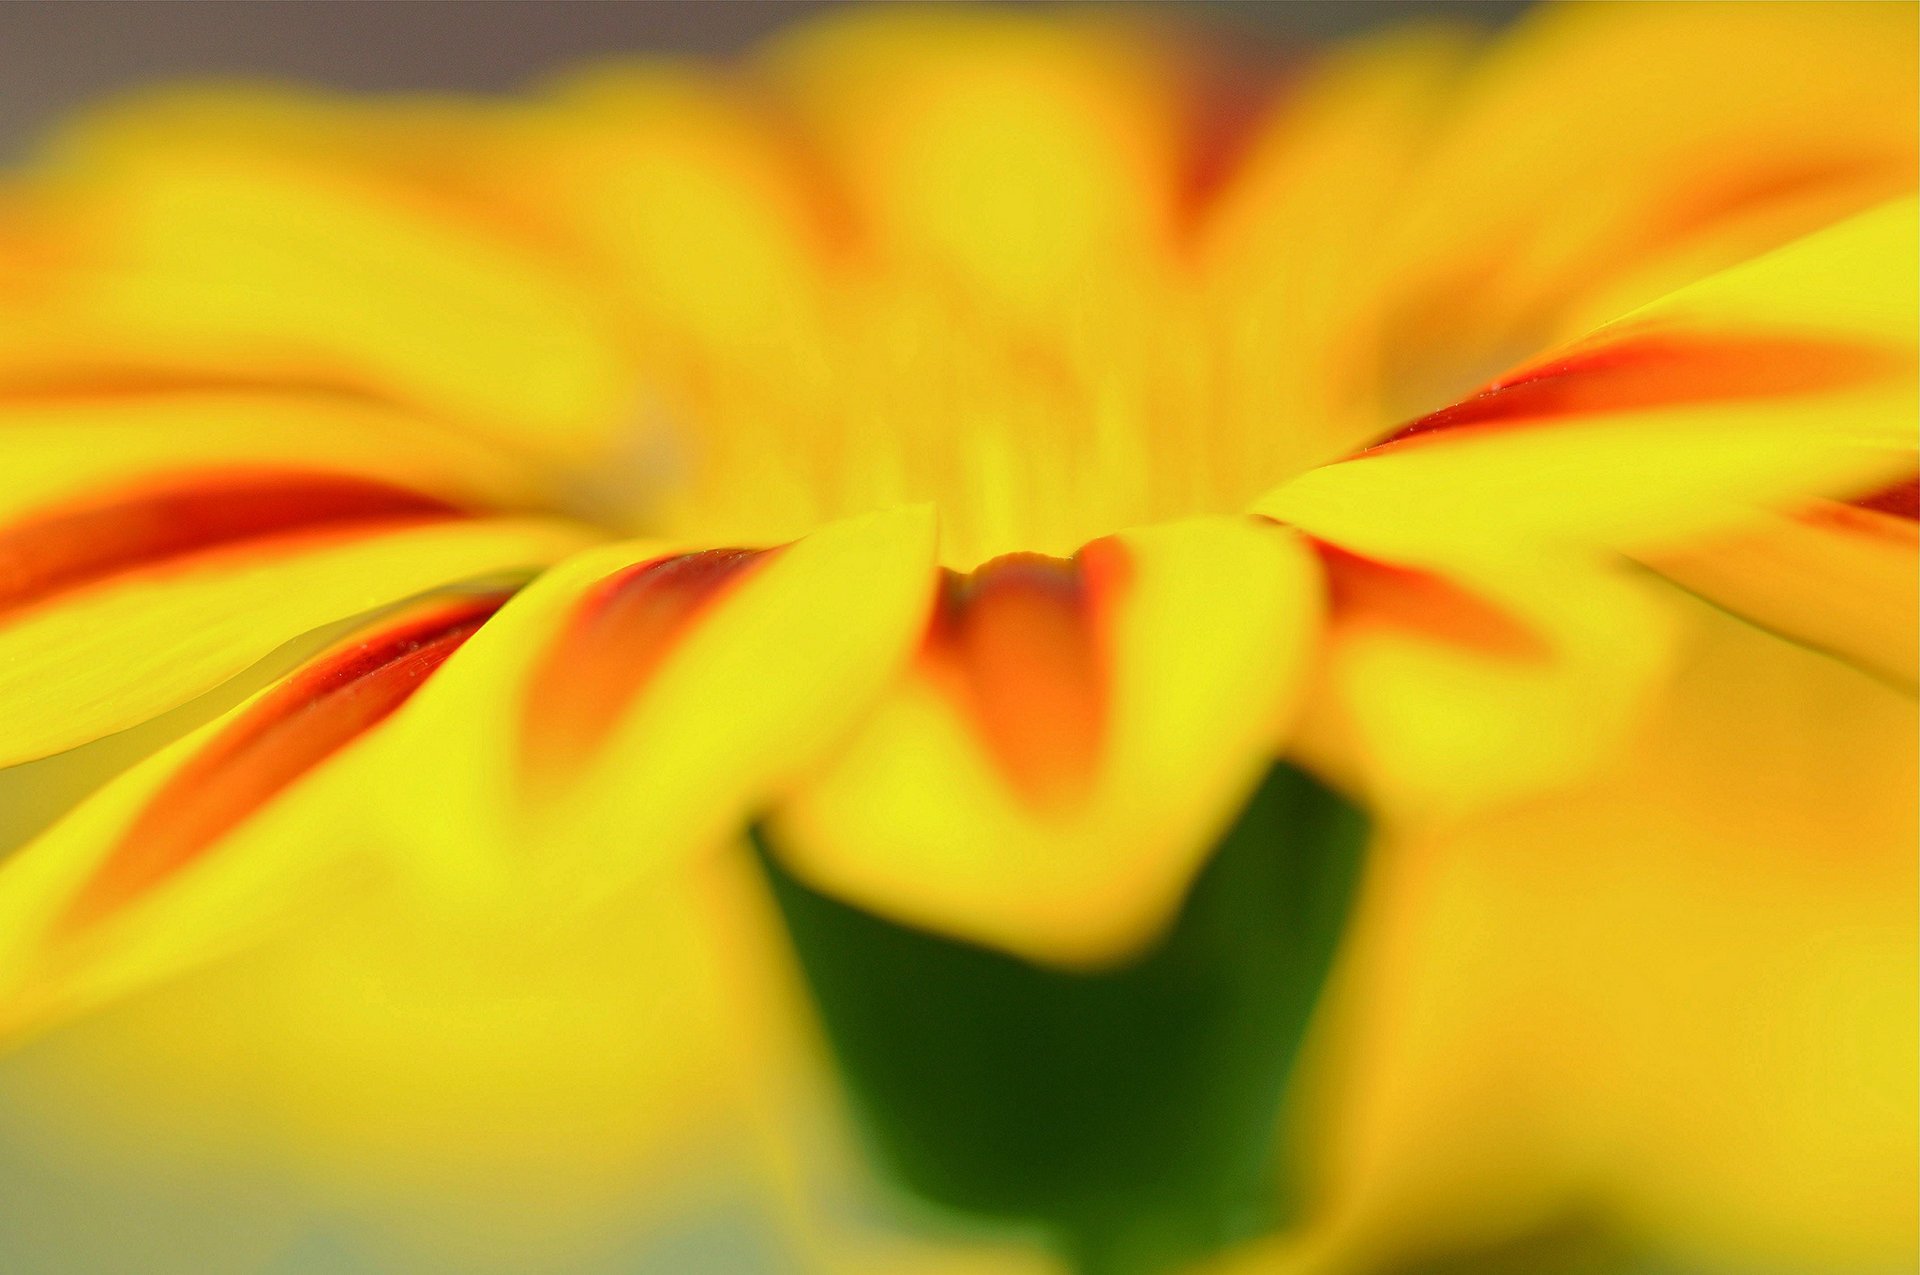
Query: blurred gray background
(56, 54)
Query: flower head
(969, 448)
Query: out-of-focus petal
(1841, 577)
(287, 235)
(1674, 1006)
(211, 838)
(1072, 737)
(1791, 375)
(1440, 692)
(1288, 252)
(120, 605)
(642, 702)
(1598, 156)
(1014, 159)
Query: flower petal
(1675, 1002)
(1598, 157)
(931, 121)
(115, 609)
(1289, 253)
(1792, 375)
(1442, 692)
(1843, 578)
(642, 702)
(1057, 762)
(279, 233)
(202, 843)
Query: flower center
(1033, 429)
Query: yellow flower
(970, 448)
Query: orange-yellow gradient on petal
(956, 454)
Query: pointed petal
(1792, 375)
(116, 610)
(642, 702)
(1057, 762)
(215, 836)
(1841, 577)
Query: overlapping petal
(1068, 742)
(217, 835)
(126, 598)
(274, 234)
(1840, 577)
(1442, 692)
(1668, 1012)
(641, 702)
(1791, 375)
(1595, 157)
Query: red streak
(1020, 644)
(1901, 500)
(1646, 372)
(1364, 591)
(62, 550)
(615, 643)
(294, 728)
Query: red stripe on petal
(1649, 372)
(294, 728)
(1901, 500)
(1020, 644)
(616, 640)
(64, 549)
(1363, 591)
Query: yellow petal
(1841, 578)
(276, 234)
(642, 702)
(115, 612)
(1441, 692)
(1055, 766)
(1791, 375)
(1297, 289)
(217, 835)
(94, 435)
(1014, 157)
(1675, 1005)
(1599, 156)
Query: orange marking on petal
(1705, 202)
(1900, 500)
(1647, 372)
(1363, 591)
(65, 549)
(91, 383)
(300, 724)
(1020, 644)
(616, 640)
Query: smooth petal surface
(1299, 297)
(214, 836)
(1843, 578)
(1669, 1013)
(124, 609)
(317, 241)
(1014, 159)
(1442, 692)
(1595, 157)
(642, 702)
(1073, 735)
(1791, 375)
